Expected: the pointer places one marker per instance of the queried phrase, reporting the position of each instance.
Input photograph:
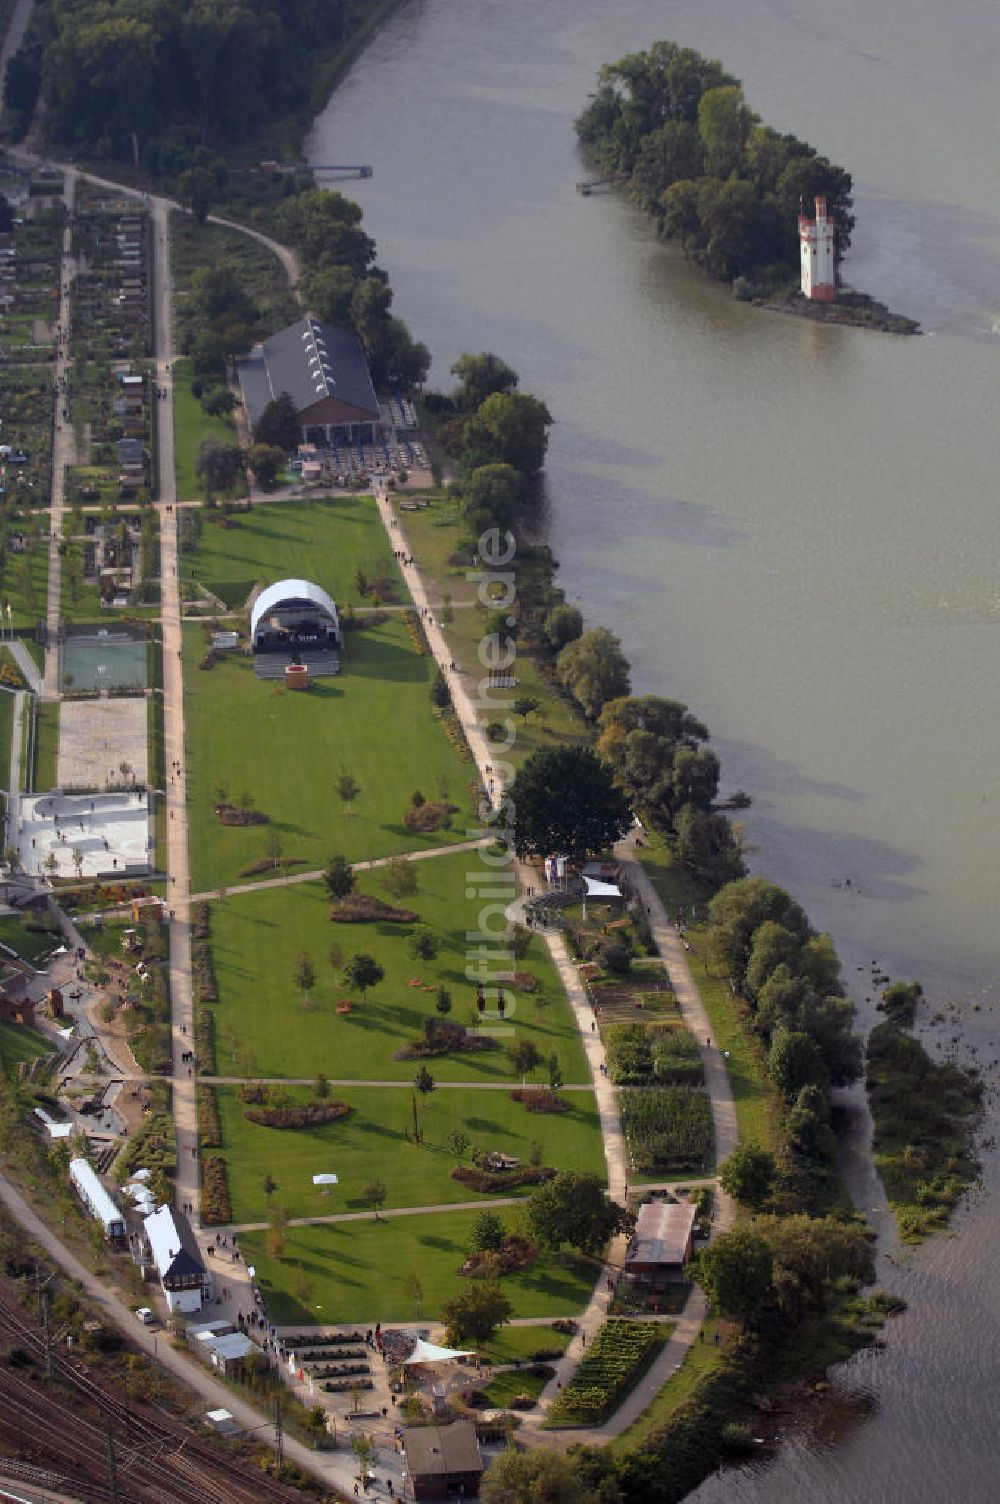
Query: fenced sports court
(104, 658)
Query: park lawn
(757, 1106)
(18, 1043)
(324, 539)
(375, 1142)
(433, 535)
(513, 1342)
(287, 749)
(27, 590)
(6, 730)
(359, 1272)
(46, 745)
(505, 1387)
(262, 1027)
(31, 945)
(191, 425)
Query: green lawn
(513, 1342)
(287, 750)
(358, 1272)
(46, 745)
(263, 1028)
(326, 540)
(6, 725)
(191, 425)
(508, 1386)
(433, 535)
(17, 1043)
(25, 581)
(375, 1140)
(757, 1108)
(30, 945)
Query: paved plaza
(96, 737)
(111, 832)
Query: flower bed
(297, 1114)
(619, 1355)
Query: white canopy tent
(429, 1352)
(325, 1180)
(595, 888)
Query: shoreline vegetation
(925, 1113)
(672, 130)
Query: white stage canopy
(429, 1352)
(597, 889)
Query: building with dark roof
(173, 1249)
(660, 1246)
(324, 371)
(443, 1461)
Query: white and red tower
(819, 277)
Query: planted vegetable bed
(668, 1130)
(619, 1356)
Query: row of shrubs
(209, 1125)
(216, 1206)
(641, 1055)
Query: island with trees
(674, 130)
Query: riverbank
(852, 310)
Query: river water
(794, 529)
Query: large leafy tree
(494, 496)
(219, 466)
(564, 800)
(736, 1272)
(509, 428)
(476, 1313)
(594, 670)
(572, 1208)
(278, 425)
(479, 376)
(540, 1476)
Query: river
(792, 528)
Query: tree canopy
(594, 670)
(572, 1208)
(676, 126)
(174, 72)
(564, 799)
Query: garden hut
(659, 1249)
(443, 1461)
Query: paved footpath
(188, 1191)
(314, 876)
(63, 446)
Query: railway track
(157, 1460)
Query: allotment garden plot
(264, 1026)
